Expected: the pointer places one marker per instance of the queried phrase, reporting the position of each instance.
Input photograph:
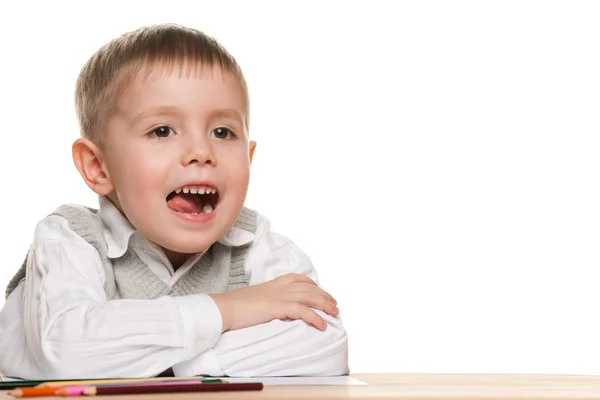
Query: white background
(439, 161)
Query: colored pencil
(68, 389)
(166, 388)
(33, 392)
(10, 385)
(173, 383)
(80, 390)
(142, 382)
(71, 391)
(119, 380)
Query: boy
(172, 273)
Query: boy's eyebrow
(172, 110)
(226, 113)
(165, 110)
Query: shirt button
(200, 345)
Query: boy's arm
(276, 348)
(59, 324)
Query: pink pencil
(78, 390)
(71, 391)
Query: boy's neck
(176, 259)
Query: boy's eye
(162, 132)
(223, 133)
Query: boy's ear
(90, 164)
(252, 148)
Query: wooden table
(418, 386)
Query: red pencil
(166, 388)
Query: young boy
(172, 272)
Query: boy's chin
(190, 247)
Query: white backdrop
(439, 161)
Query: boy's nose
(199, 152)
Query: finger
(326, 296)
(320, 303)
(315, 290)
(294, 278)
(299, 311)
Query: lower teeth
(205, 210)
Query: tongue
(186, 203)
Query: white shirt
(59, 324)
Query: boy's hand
(288, 296)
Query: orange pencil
(33, 392)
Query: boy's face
(179, 130)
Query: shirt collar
(118, 230)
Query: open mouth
(193, 199)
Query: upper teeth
(197, 190)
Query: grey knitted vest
(220, 269)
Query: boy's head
(164, 113)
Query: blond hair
(108, 71)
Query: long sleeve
(59, 324)
(277, 348)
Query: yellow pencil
(119, 380)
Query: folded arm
(59, 324)
(276, 348)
